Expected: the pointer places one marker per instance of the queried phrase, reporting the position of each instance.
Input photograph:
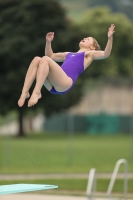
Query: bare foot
(22, 98)
(34, 98)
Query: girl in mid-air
(60, 79)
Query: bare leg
(51, 71)
(30, 77)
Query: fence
(91, 124)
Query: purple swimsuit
(73, 66)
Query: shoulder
(90, 53)
(66, 53)
(59, 57)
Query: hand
(111, 31)
(49, 36)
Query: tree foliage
(75, 8)
(124, 6)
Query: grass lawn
(60, 153)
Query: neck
(83, 49)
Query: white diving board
(17, 188)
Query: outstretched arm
(97, 55)
(48, 49)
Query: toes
(32, 103)
(20, 103)
(33, 100)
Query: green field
(61, 153)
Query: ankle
(25, 91)
(38, 92)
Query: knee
(36, 60)
(44, 60)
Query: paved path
(58, 176)
(42, 197)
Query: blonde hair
(96, 45)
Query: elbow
(52, 56)
(106, 55)
(49, 55)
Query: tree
(95, 23)
(124, 6)
(23, 26)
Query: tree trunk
(30, 124)
(20, 122)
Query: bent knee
(44, 59)
(36, 59)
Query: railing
(91, 186)
(114, 175)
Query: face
(86, 43)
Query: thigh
(57, 77)
(48, 85)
